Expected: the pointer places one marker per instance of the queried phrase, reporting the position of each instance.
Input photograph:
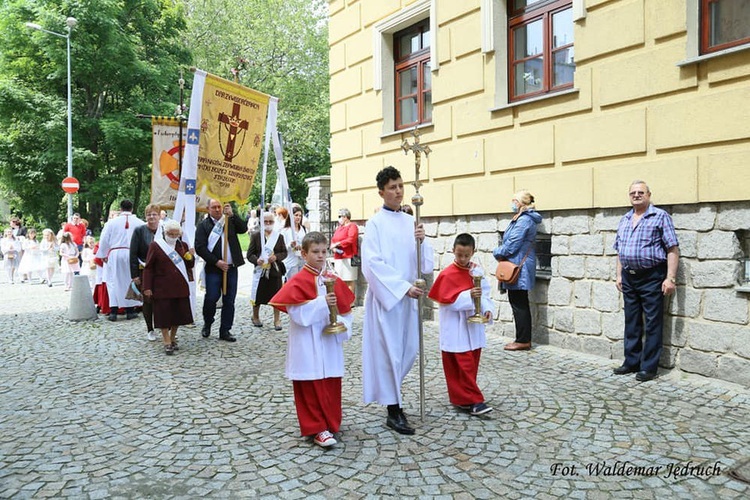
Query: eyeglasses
(637, 193)
(268, 223)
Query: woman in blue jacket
(518, 243)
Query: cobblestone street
(94, 410)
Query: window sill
(405, 130)
(712, 55)
(541, 275)
(742, 289)
(535, 99)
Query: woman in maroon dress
(166, 281)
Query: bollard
(81, 300)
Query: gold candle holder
(477, 317)
(334, 326)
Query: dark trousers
(148, 314)
(643, 298)
(213, 292)
(519, 302)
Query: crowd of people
(146, 265)
(28, 258)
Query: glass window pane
(427, 107)
(426, 39)
(564, 67)
(408, 108)
(729, 21)
(520, 4)
(528, 76)
(528, 40)
(408, 44)
(415, 42)
(562, 28)
(426, 76)
(408, 81)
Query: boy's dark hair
(385, 175)
(465, 240)
(313, 237)
(126, 206)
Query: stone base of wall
(707, 328)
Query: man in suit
(209, 244)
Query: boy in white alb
(461, 342)
(314, 359)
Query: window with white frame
(724, 24)
(404, 59)
(413, 76)
(532, 46)
(540, 47)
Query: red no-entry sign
(70, 185)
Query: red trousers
(318, 404)
(461, 377)
(101, 298)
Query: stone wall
(707, 322)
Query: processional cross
(417, 200)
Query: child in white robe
(461, 342)
(315, 359)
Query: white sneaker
(325, 439)
(151, 336)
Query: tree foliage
(279, 47)
(125, 57)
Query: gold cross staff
(417, 200)
(417, 149)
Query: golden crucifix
(417, 200)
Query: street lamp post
(71, 23)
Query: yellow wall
(636, 114)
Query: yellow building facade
(650, 96)
(644, 105)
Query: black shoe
(206, 331)
(227, 337)
(624, 370)
(399, 424)
(112, 316)
(480, 409)
(131, 315)
(645, 376)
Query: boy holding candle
(315, 359)
(461, 341)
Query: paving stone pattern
(94, 410)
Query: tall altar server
(391, 329)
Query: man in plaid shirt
(647, 259)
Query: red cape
(451, 281)
(303, 287)
(99, 262)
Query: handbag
(72, 260)
(508, 272)
(133, 293)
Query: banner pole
(224, 254)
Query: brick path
(93, 410)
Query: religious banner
(165, 169)
(232, 121)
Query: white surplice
(456, 333)
(114, 244)
(391, 330)
(310, 353)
